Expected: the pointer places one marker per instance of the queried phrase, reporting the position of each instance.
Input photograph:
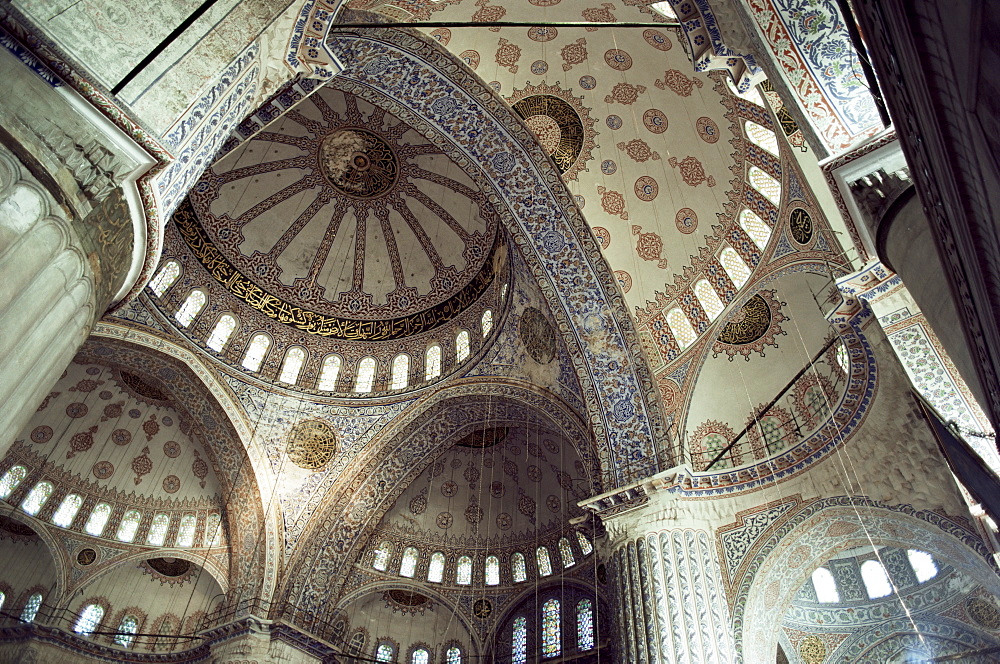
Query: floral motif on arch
(692, 171)
(649, 247)
(708, 440)
(752, 327)
(675, 80)
(507, 55)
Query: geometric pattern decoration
(311, 444)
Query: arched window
(462, 346)
(31, 607)
(185, 534)
(519, 641)
(518, 568)
(357, 644)
(762, 137)
(454, 655)
(420, 656)
(11, 480)
(544, 563)
(256, 352)
(432, 365)
(923, 564)
(584, 624)
(681, 327)
(292, 365)
(566, 553)
(328, 374)
(825, 586)
(165, 278)
(492, 571)
(128, 526)
(551, 637)
(68, 508)
(98, 519)
(158, 530)
(709, 299)
(192, 307)
(400, 371)
(3, 598)
(463, 576)
(221, 332)
(381, 562)
(584, 543)
(765, 184)
(487, 322)
(89, 619)
(127, 630)
(435, 573)
(755, 227)
(842, 360)
(366, 376)
(735, 266)
(876, 580)
(385, 652)
(213, 529)
(409, 565)
(36, 498)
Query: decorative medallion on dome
(484, 438)
(562, 124)
(312, 444)
(801, 226)
(754, 326)
(358, 163)
(170, 566)
(482, 608)
(86, 557)
(537, 335)
(140, 387)
(983, 613)
(406, 601)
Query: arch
(37, 497)
(487, 322)
(923, 565)
(408, 565)
(755, 227)
(761, 137)
(192, 306)
(70, 505)
(681, 327)
(97, 521)
(492, 571)
(432, 362)
(709, 299)
(89, 619)
(463, 571)
(825, 586)
(435, 571)
(735, 266)
(463, 346)
(165, 278)
(329, 373)
(876, 579)
(12, 479)
(400, 372)
(566, 553)
(765, 184)
(544, 561)
(157, 535)
(256, 351)
(295, 357)
(364, 381)
(518, 568)
(222, 332)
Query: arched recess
(316, 567)
(32, 568)
(252, 518)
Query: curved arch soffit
(208, 565)
(57, 550)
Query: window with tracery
(366, 376)
(292, 366)
(519, 642)
(585, 624)
(409, 565)
(385, 652)
(357, 644)
(816, 401)
(492, 571)
(329, 373)
(923, 564)
(765, 184)
(400, 372)
(755, 227)
(68, 508)
(761, 137)
(192, 307)
(487, 322)
(420, 656)
(185, 534)
(381, 561)
(825, 586)
(89, 619)
(256, 352)
(454, 655)
(165, 278)
(158, 530)
(463, 576)
(551, 637)
(36, 498)
(127, 630)
(462, 347)
(735, 266)
(566, 553)
(544, 563)
(681, 327)
(11, 480)
(771, 430)
(709, 299)
(432, 366)
(213, 529)
(435, 572)
(518, 568)
(31, 607)
(223, 329)
(584, 543)
(98, 519)
(876, 580)
(128, 526)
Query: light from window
(11, 479)
(492, 571)
(292, 365)
(584, 625)
(400, 372)
(584, 543)
(762, 137)
(358, 641)
(127, 630)
(185, 534)
(3, 598)
(765, 184)
(750, 95)
(31, 607)
(503, 291)
(487, 323)
(420, 656)
(384, 653)
(519, 642)
(36, 498)
(755, 227)
(98, 519)
(462, 346)
(551, 638)
(409, 565)
(735, 266)
(923, 564)
(165, 278)
(158, 530)
(68, 508)
(213, 529)
(89, 619)
(842, 361)
(191, 307)
(664, 9)
(518, 568)
(825, 586)
(128, 526)
(463, 577)
(256, 352)
(709, 299)
(566, 553)
(681, 327)
(435, 572)
(876, 580)
(454, 655)
(366, 376)
(381, 562)
(221, 332)
(433, 362)
(544, 563)
(328, 374)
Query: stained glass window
(492, 571)
(191, 307)
(584, 543)
(544, 564)
(126, 631)
(771, 429)
(185, 534)
(681, 327)
(454, 655)
(128, 526)
(36, 498)
(68, 508)
(825, 586)
(463, 576)
(409, 565)
(584, 624)
(165, 278)
(518, 568)
(435, 573)
(213, 529)
(487, 322)
(381, 561)
(256, 352)
(420, 656)
(551, 638)
(221, 332)
(735, 266)
(762, 137)
(292, 365)
(709, 299)
(31, 607)
(923, 564)
(11, 479)
(433, 362)
(400, 371)
(876, 580)
(328, 374)
(755, 227)
(765, 184)
(462, 346)
(158, 530)
(366, 376)
(519, 641)
(98, 519)
(384, 652)
(566, 553)
(89, 619)
(815, 400)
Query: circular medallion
(311, 444)
(121, 437)
(551, 445)
(445, 520)
(86, 557)
(93, 371)
(614, 122)
(534, 473)
(482, 608)
(581, 202)
(707, 129)
(443, 35)
(471, 473)
(624, 280)
(539, 67)
(418, 504)
(655, 120)
(41, 434)
(103, 470)
(603, 236)
(646, 188)
(171, 483)
(552, 502)
(105, 394)
(172, 449)
(618, 59)
(588, 82)
(542, 34)
(537, 335)
(686, 220)
(358, 163)
(473, 513)
(749, 324)
(497, 489)
(608, 167)
(561, 123)
(449, 489)
(135, 413)
(504, 521)
(657, 40)
(801, 226)
(167, 421)
(76, 409)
